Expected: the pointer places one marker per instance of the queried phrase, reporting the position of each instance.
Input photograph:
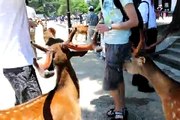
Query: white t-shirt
(144, 9)
(31, 12)
(15, 47)
(112, 14)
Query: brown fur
(49, 33)
(167, 88)
(81, 29)
(62, 103)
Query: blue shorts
(115, 56)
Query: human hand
(102, 28)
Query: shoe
(110, 113)
(102, 58)
(120, 115)
(98, 49)
(146, 89)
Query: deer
(61, 103)
(81, 29)
(167, 88)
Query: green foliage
(78, 6)
(59, 7)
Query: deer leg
(42, 67)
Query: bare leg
(119, 97)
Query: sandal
(118, 115)
(110, 113)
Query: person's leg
(32, 89)
(90, 34)
(119, 97)
(114, 81)
(151, 39)
(24, 82)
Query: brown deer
(62, 103)
(167, 88)
(81, 29)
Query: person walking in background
(91, 21)
(102, 44)
(31, 13)
(148, 14)
(117, 46)
(16, 51)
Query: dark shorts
(24, 82)
(115, 56)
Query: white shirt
(31, 12)
(15, 47)
(112, 14)
(145, 10)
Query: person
(91, 21)
(117, 46)
(101, 20)
(148, 14)
(16, 51)
(80, 18)
(31, 13)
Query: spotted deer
(61, 103)
(167, 89)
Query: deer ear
(141, 60)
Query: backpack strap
(118, 4)
(148, 10)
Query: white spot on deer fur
(7, 112)
(173, 115)
(178, 109)
(15, 111)
(21, 108)
(172, 105)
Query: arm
(132, 22)
(133, 19)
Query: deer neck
(160, 81)
(67, 79)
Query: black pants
(151, 37)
